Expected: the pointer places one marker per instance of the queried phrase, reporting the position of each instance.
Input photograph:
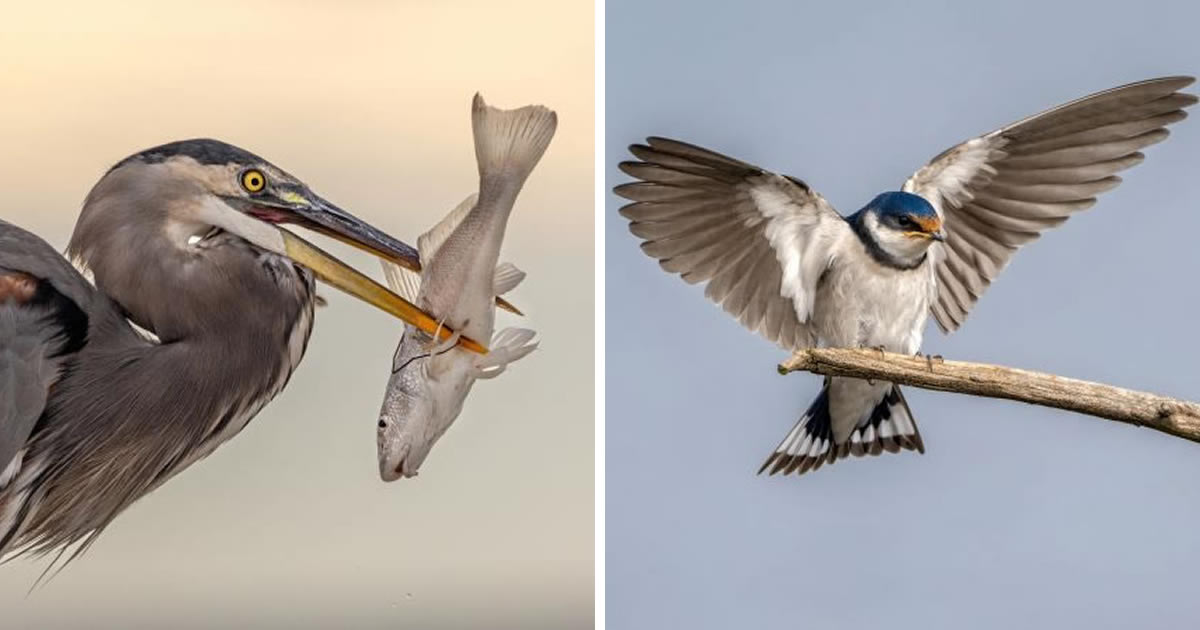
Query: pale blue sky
(1017, 516)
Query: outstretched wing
(760, 241)
(1001, 190)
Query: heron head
(904, 225)
(167, 201)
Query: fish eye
(253, 180)
(382, 423)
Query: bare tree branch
(1175, 417)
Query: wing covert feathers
(757, 240)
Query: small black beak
(937, 236)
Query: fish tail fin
(508, 346)
(810, 444)
(509, 142)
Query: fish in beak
(297, 206)
(316, 214)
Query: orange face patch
(17, 286)
(930, 225)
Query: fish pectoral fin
(508, 345)
(489, 373)
(507, 278)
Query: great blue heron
(201, 309)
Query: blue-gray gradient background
(1016, 516)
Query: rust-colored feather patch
(17, 286)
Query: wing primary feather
(1001, 190)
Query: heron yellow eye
(253, 180)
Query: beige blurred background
(288, 525)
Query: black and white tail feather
(810, 444)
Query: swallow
(782, 261)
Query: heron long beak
(320, 216)
(325, 218)
(312, 212)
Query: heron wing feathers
(26, 252)
(35, 334)
(1001, 190)
(26, 373)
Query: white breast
(861, 303)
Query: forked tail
(810, 444)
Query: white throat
(903, 249)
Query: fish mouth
(391, 472)
(407, 474)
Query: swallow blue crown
(897, 203)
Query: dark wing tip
(628, 167)
(767, 463)
(1182, 80)
(623, 190)
(1173, 82)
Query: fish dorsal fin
(403, 282)
(507, 278)
(429, 242)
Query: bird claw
(882, 355)
(929, 359)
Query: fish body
(459, 283)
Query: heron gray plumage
(777, 256)
(198, 311)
